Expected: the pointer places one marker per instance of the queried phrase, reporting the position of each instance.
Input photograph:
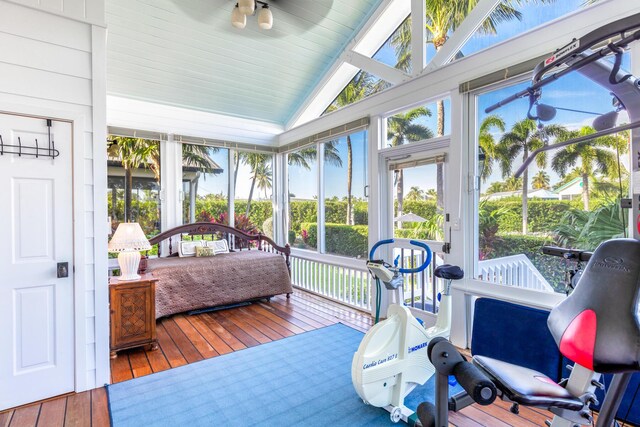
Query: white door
(36, 233)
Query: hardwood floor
(186, 339)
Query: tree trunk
(128, 193)
(585, 191)
(399, 193)
(253, 184)
(525, 195)
(440, 166)
(349, 181)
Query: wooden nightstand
(133, 313)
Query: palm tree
(586, 230)
(512, 184)
(524, 137)
(443, 16)
(541, 180)
(133, 153)
(594, 155)
(402, 128)
(359, 88)
(258, 163)
(495, 187)
(263, 175)
(415, 193)
(487, 142)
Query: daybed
(255, 268)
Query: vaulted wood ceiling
(186, 53)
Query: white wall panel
(39, 25)
(49, 66)
(20, 80)
(89, 11)
(19, 51)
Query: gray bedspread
(186, 284)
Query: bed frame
(238, 240)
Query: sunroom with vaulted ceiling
(301, 179)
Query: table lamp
(128, 241)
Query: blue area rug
(301, 380)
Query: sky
(573, 91)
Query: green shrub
(544, 215)
(260, 209)
(340, 239)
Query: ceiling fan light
(247, 7)
(238, 19)
(265, 18)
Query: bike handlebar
(422, 245)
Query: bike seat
(526, 386)
(449, 272)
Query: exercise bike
(391, 359)
(596, 327)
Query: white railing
(339, 279)
(420, 289)
(347, 280)
(515, 270)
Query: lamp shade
(238, 19)
(246, 6)
(129, 237)
(265, 18)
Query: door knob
(63, 270)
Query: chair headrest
(598, 325)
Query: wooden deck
(186, 339)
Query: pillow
(202, 251)
(187, 248)
(219, 246)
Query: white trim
(463, 33)
(100, 227)
(320, 214)
(354, 263)
(378, 69)
(418, 44)
(231, 188)
(152, 117)
(418, 147)
(527, 297)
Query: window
(415, 199)
(133, 180)
(346, 206)
(396, 51)
(205, 180)
(253, 204)
(361, 86)
(303, 198)
(511, 19)
(419, 123)
(569, 198)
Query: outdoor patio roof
(185, 53)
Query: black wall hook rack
(31, 150)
